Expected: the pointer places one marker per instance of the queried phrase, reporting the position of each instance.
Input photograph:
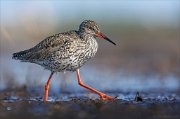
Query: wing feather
(46, 48)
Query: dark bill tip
(110, 41)
(101, 35)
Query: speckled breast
(83, 54)
(75, 57)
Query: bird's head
(90, 27)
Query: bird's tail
(22, 55)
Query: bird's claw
(104, 97)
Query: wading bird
(66, 51)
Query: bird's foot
(104, 97)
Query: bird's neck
(85, 36)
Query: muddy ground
(21, 105)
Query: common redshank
(66, 51)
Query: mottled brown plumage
(65, 51)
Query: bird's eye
(91, 28)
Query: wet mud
(127, 105)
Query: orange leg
(47, 87)
(102, 95)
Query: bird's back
(43, 49)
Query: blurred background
(147, 34)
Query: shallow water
(80, 105)
(147, 98)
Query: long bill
(101, 35)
